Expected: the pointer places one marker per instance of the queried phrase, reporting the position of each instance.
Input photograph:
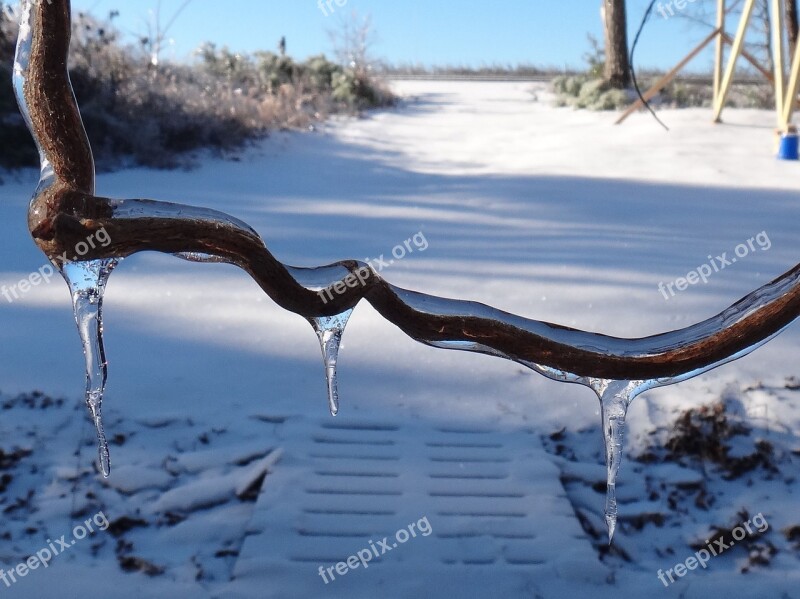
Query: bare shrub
(140, 113)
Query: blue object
(789, 148)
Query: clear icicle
(329, 331)
(615, 397)
(87, 283)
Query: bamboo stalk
(736, 50)
(777, 42)
(719, 55)
(792, 90)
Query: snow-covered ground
(544, 212)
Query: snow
(544, 212)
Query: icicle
(615, 397)
(329, 330)
(87, 282)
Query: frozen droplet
(87, 282)
(329, 331)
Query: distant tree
(595, 58)
(352, 43)
(157, 32)
(617, 72)
(792, 23)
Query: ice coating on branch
(22, 58)
(19, 78)
(87, 282)
(200, 258)
(329, 330)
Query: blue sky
(471, 32)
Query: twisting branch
(65, 211)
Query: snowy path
(490, 504)
(544, 212)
